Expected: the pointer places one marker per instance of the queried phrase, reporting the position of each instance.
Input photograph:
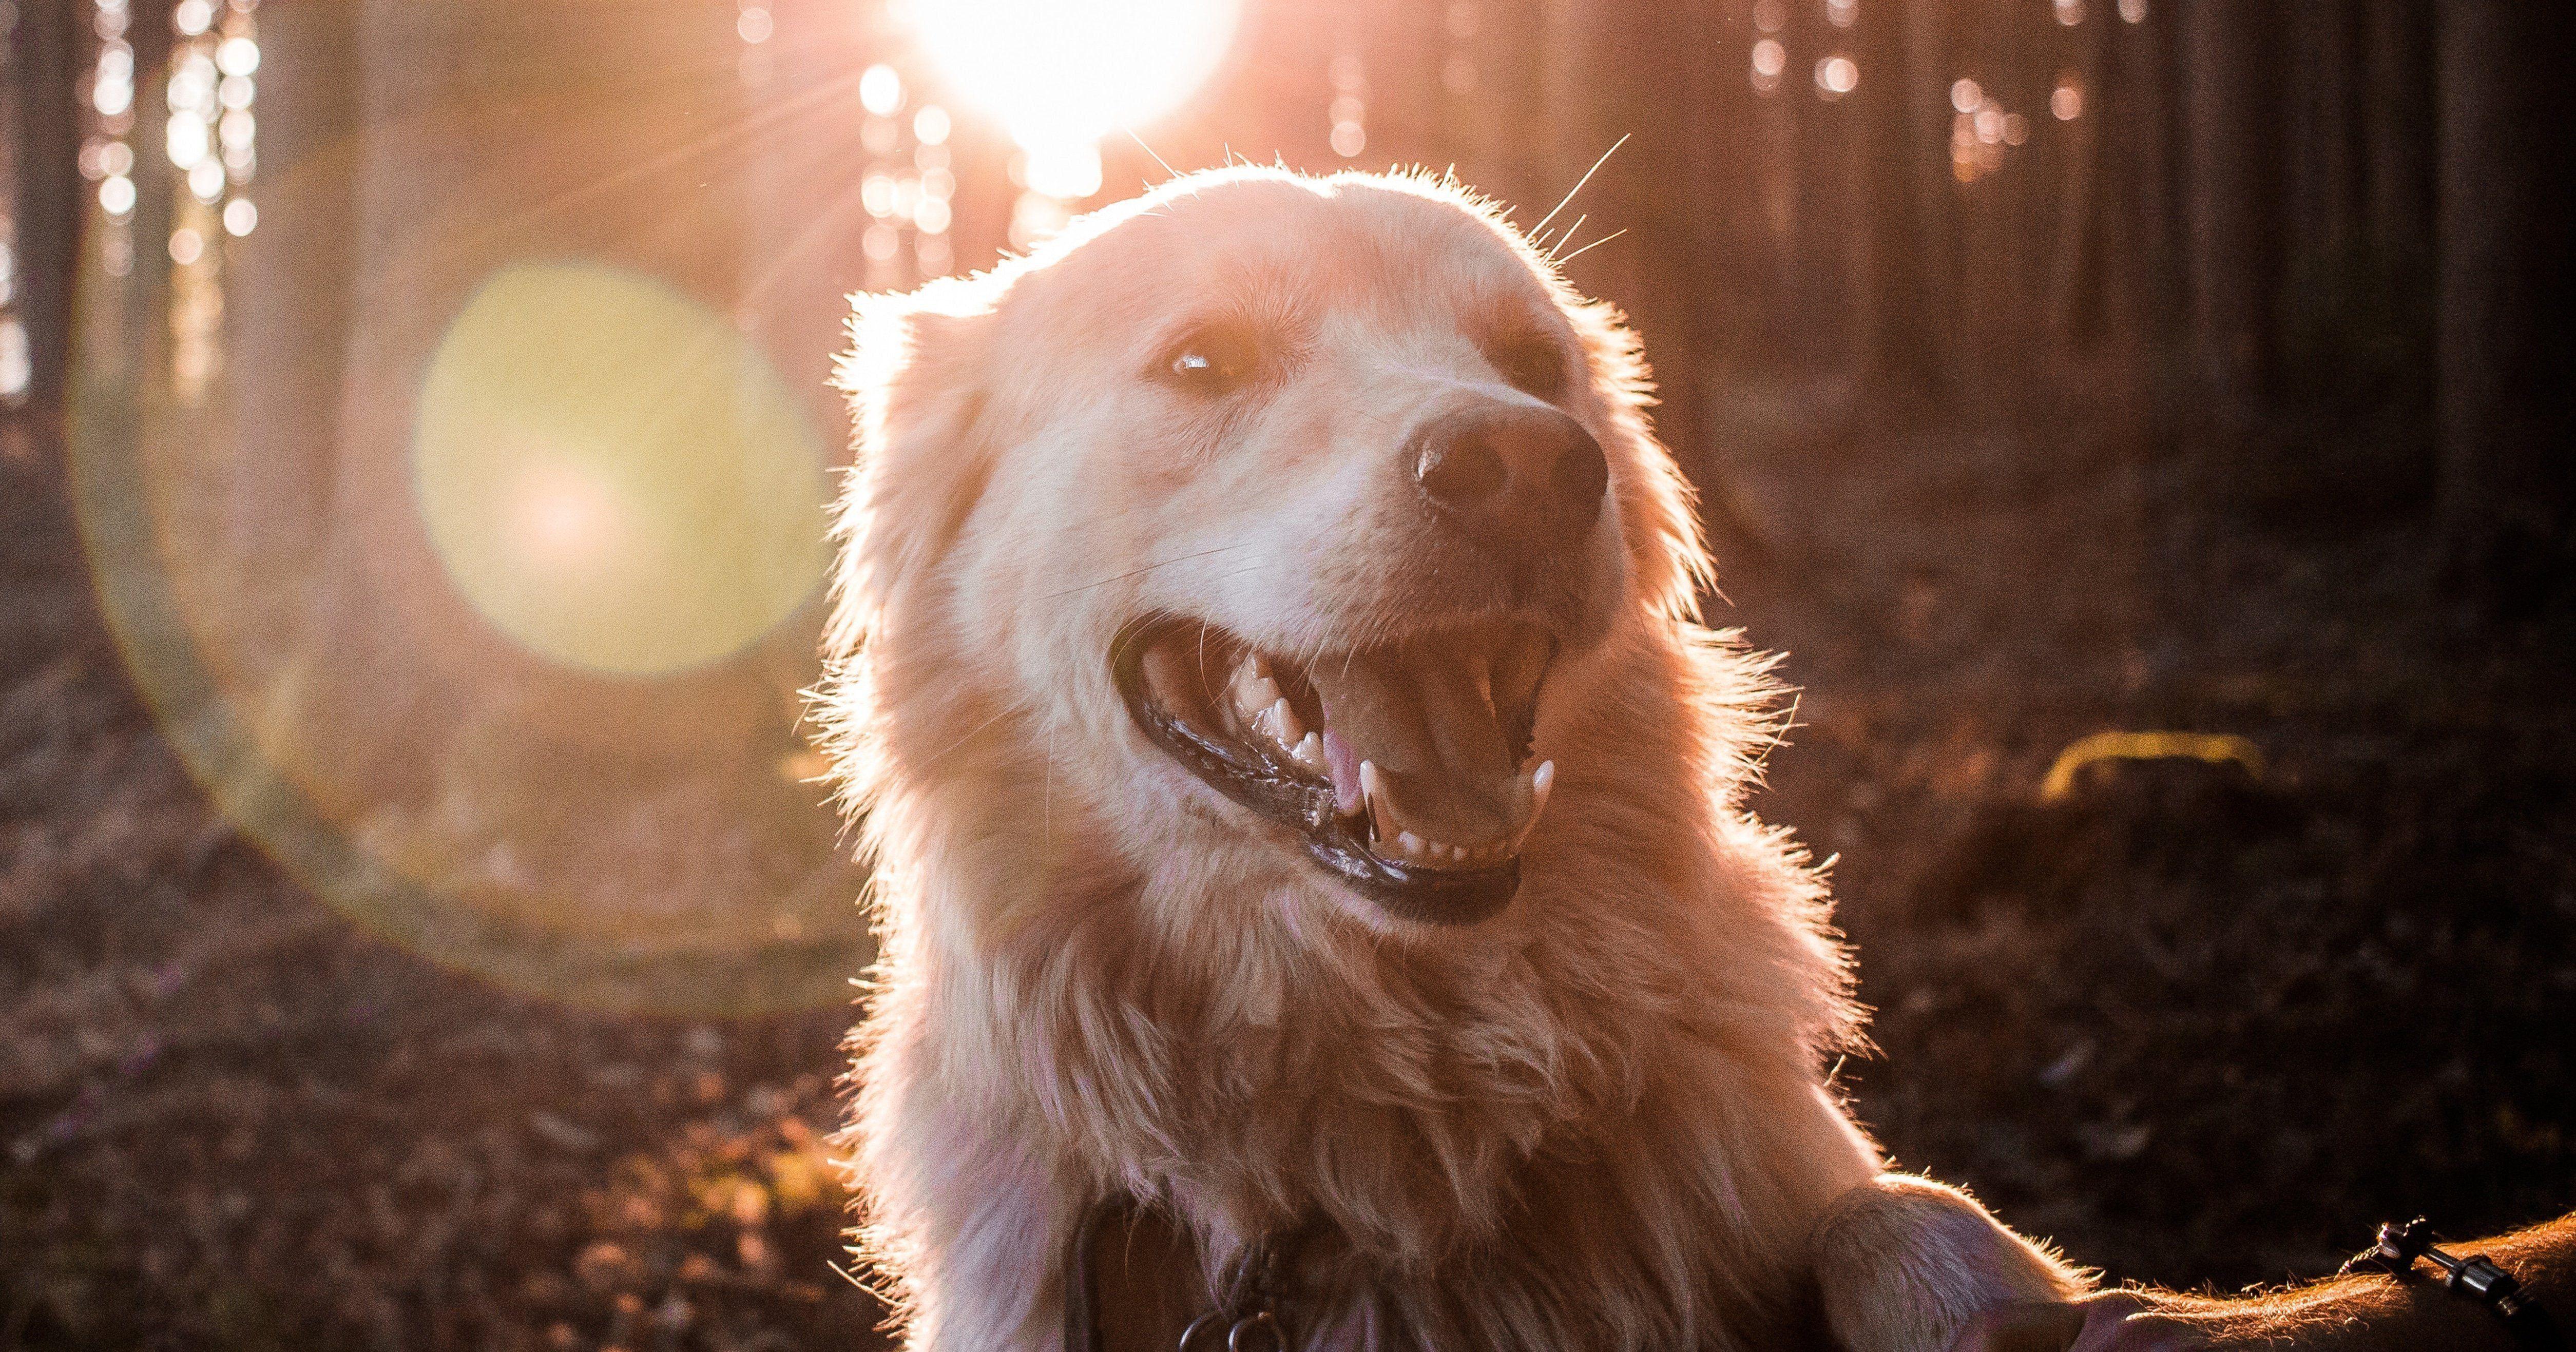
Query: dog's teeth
(1310, 753)
(1539, 783)
(1251, 687)
(1284, 727)
(1354, 783)
(1381, 814)
(1535, 784)
(1457, 854)
(1408, 844)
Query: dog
(1267, 674)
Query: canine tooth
(1534, 786)
(1310, 753)
(1284, 726)
(1350, 797)
(1381, 814)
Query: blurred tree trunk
(2398, 110)
(2507, 350)
(1724, 187)
(291, 282)
(1903, 110)
(45, 50)
(2075, 296)
(2167, 192)
(2142, 279)
(2399, 136)
(1642, 71)
(2230, 204)
(1628, 69)
(1494, 129)
(2324, 163)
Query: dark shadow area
(2198, 1023)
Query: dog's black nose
(1510, 475)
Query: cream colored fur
(1594, 1121)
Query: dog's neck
(1238, 1044)
(1560, 1088)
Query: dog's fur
(1596, 1120)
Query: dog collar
(1252, 1310)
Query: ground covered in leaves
(2200, 1023)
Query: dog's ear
(915, 377)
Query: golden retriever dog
(1306, 807)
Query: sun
(1061, 73)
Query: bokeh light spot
(1837, 75)
(614, 476)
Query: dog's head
(1271, 506)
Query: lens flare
(1068, 72)
(612, 475)
(471, 570)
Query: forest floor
(2199, 1023)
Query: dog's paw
(1904, 1265)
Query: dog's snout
(1511, 476)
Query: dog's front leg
(969, 1222)
(1904, 1263)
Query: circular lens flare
(1068, 72)
(614, 476)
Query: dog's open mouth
(1405, 767)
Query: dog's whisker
(1592, 246)
(1149, 150)
(1578, 185)
(1567, 235)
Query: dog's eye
(1533, 363)
(1212, 361)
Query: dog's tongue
(1425, 718)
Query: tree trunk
(291, 283)
(45, 51)
(2507, 358)
(1627, 70)
(2398, 111)
(2231, 194)
(2075, 299)
(1903, 102)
